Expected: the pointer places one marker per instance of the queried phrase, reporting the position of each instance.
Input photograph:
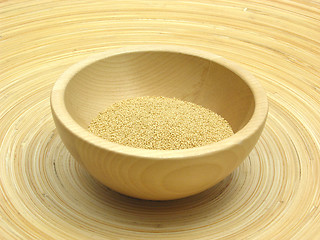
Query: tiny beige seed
(160, 123)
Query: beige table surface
(274, 194)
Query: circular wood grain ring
(274, 194)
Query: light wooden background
(274, 194)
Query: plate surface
(274, 194)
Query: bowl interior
(158, 73)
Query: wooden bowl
(201, 77)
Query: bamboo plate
(274, 194)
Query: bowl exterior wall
(156, 178)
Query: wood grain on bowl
(171, 71)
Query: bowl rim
(255, 123)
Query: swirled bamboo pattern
(274, 194)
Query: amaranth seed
(160, 123)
